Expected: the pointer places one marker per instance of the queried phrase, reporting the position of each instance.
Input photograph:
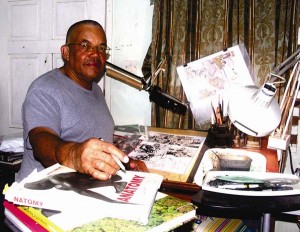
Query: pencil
(117, 161)
(214, 112)
(221, 107)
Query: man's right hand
(93, 157)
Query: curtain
(187, 30)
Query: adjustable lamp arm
(287, 64)
(124, 76)
(141, 83)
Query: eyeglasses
(89, 48)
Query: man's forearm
(49, 149)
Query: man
(64, 113)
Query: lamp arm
(287, 64)
(156, 94)
(124, 76)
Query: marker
(117, 161)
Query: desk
(270, 154)
(247, 207)
(232, 206)
(236, 206)
(187, 190)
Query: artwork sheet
(208, 81)
(168, 152)
(127, 137)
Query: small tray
(234, 162)
(210, 161)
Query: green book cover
(167, 213)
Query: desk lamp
(256, 112)
(156, 94)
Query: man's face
(81, 65)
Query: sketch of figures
(168, 152)
(172, 139)
(204, 79)
(164, 157)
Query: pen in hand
(119, 163)
(122, 167)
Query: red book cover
(25, 219)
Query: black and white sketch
(168, 152)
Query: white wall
(4, 69)
(129, 24)
(129, 29)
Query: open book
(127, 195)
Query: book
(167, 213)
(127, 195)
(11, 163)
(40, 216)
(20, 219)
(14, 223)
(10, 157)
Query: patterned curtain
(187, 30)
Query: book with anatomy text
(128, 196)
(167, 213)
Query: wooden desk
(271, 156)
(187, 190)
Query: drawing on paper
(208, 78)
(168, 152)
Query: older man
(65, 113)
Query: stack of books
(11, 149)
(167, 213)
(60, 199)
(11, 158)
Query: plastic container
(234, 162)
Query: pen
(117, 161)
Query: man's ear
(65, 53)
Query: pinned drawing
(205, 79)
